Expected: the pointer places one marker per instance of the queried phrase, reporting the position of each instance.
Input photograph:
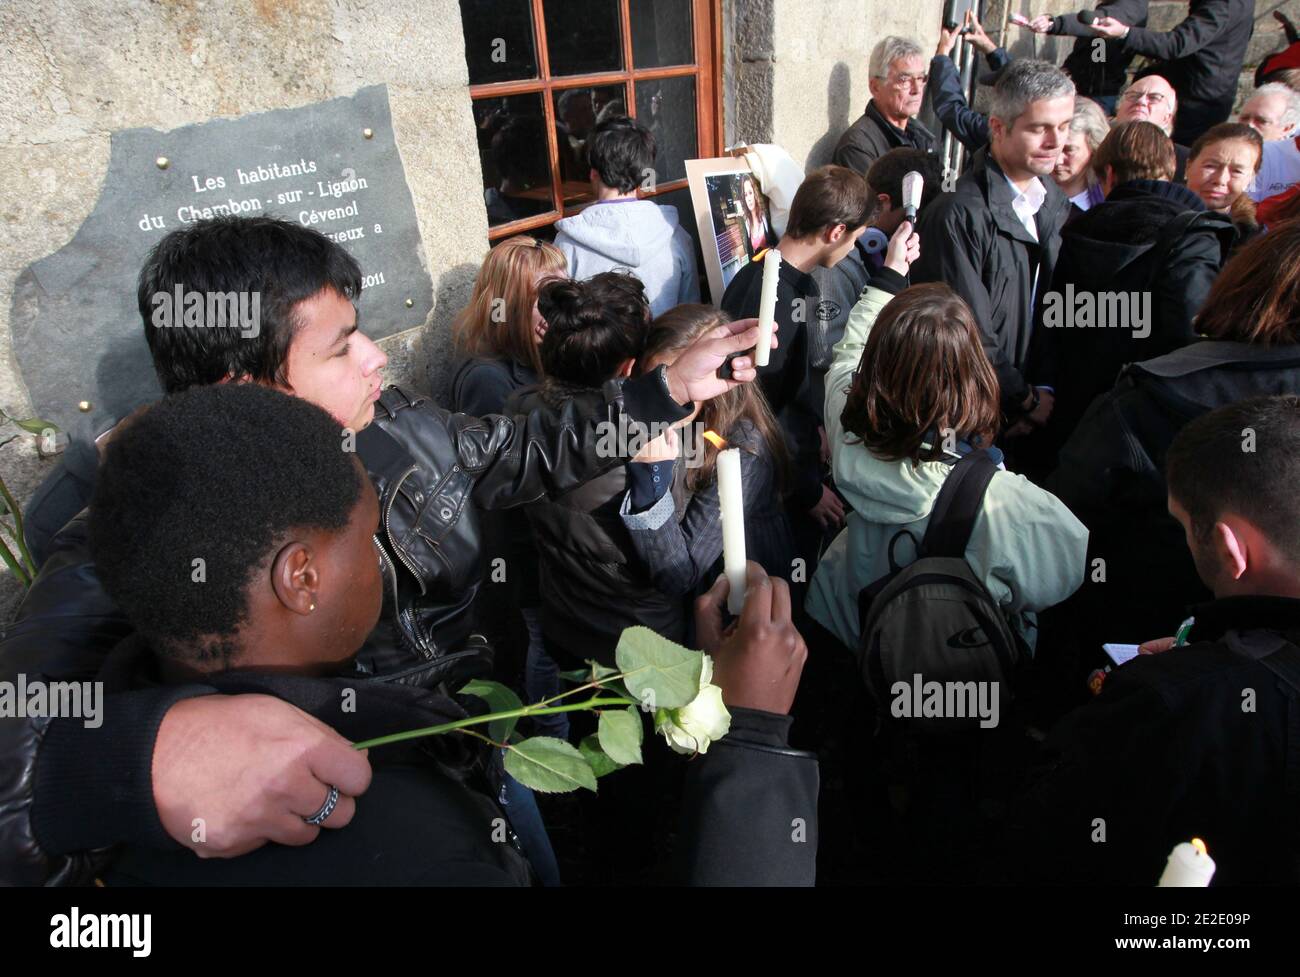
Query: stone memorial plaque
(333, 166)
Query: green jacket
(1027, 548)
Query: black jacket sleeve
(1130, 12)
(66, 787)
(517, 459)
(1202, 27)
(971, 128)
(58, 499)
(749, 812)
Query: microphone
(1086, 17)
(913, 184)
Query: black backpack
(934, 621)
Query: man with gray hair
(1273, 111)
(994, 239)
(897, 81)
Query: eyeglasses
(1151, 98)
(907, 81)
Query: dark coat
(972, 240)
(1124, 245)
(1099, 69)
(1201, 58)
(872, 136)
(592, 582)
(1168, 753)
(1111, 475)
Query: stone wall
(796, 70)
(76, 70)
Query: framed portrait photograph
(732, 216)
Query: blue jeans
(542, 677)
(521, 808)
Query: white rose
(691, 728)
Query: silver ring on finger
(331, 802)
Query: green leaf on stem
(549, 765)
(659, 673)
(499, 698)
(619, 732)
(599, 761)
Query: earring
(312, 607)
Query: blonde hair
(498, 321)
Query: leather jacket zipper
(403, 636)
(392, 497)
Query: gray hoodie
(638, 235)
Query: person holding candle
(295, 589)
(827, 216)
(1198, 740)
(592, 584)
(681, 540)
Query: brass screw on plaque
(368, 133)
(409, 303)
(163, 162)
(84, 407)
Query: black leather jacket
(432, 469)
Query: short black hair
(1244, 459)
(621, 150)
(282, 262)
(592, 326)
(222, 474)
(886, 174)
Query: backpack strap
(958, 505)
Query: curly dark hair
(222, 473)
(592, 326)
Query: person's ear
(295, 578)
(883, 203)
(625, 368)
(833, 235)
(1230, 550)
(873, 86)
(593, 177)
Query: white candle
(767, 306)
(1189, 865)
(731, 500)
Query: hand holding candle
(1189, 866)
(767, 306)
(731, 500)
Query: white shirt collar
(1026, 203)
